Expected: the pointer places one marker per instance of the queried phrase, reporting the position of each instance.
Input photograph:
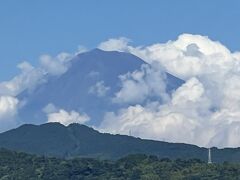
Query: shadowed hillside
(75, 140)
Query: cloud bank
(140, 85)
(203, 111)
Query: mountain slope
(72, 90)
(54, 139)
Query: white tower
(130, 133)
(209, 156)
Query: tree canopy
(14, 165)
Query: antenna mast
(209, 156)
(130, 132)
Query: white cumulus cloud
(57, 65)
(142, 84)
(174, 121)
(8, 110)
(119, 44)
(27, 79)
(8, 106)
(67, 118)
(203, 111)
(99, 89)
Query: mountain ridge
(75, 140)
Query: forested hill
(75, 140)
(23, 166)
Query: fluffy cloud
(203, 111)
(174, 121)
(188, 56)
(30, 76)
(57, 65)
(8, 106)
(27, 79)
(67, 118)
(99, 89)
(55, 114)
(8, 109)
(141, 84)
(120, 44)
(151, 124)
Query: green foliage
(75, 140)
(15, 165)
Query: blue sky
(30, 28)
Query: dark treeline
(24, 166)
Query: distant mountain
(75, 140)
(71, 91)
